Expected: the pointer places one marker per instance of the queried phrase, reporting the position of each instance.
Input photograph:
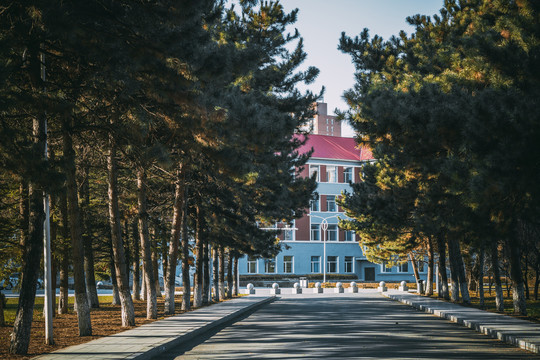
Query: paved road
(345, 326)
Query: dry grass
(105, 321)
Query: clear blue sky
(320, 23)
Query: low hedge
(296, 277)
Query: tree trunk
(135, 263)
(64, 253)
(115, 293)
(516, 275)
(143, 286)
(20, 337)
(155, 268)
(24, 213)
(173, 248)
(499, 299)
(144, 236)
(206, 271)
(75, 225)
(454, 269)
(128, 314)
(2, 302)
(415, 270)
(221, 253)
(442, 268)
(215, 272)
(89, 266)
(462, 276)
(430, 267)
(186, 294)
(229, 273)
(199, 247)
(235, 275)
(481, 261)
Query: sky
(321, 22)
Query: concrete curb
(518, 332)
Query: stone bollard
(382, 287)
(296, 288)
(353, 287)
(339, 288)
(275, 289)
(403, 286)
(318, 288)
(251, 289)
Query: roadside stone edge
(475, 325)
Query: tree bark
(462, 276)
(173, 247)
(89, 266)
(115, 293)
(20, 337)
(430, 267)
(235, 277)
(206, 280)
(24, 213)
(144, 236)
(143, 286)
(481, 261)
(499, 299)
(75, 225)
(454, 270)
(135, 262)
(215, 272)
(229, 273)
(2, 302)
(199, 250)
(128, 314)
(415, 270)
(186, 283)
(516, 276)
(442, 268)
(221, 253)
(64, 262)
(155, 267)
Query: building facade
(336, 162)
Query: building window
(287, 235)
(252, 265)
(332, 233)
(348, 264)
(315, 232)
(332, 264)
(315, 204)
(348, 174)
(270, 266)
(331, 203)
(314, 169)
(331, 174)
(316, 264)
(385, 268)
(422, 266)
(288, 264)
(404, 267)
(349, 235)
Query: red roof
(334, 147)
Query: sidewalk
(147, 341)
(521, 333)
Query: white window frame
(317, 230)
(316, 261)
(351, 234)
(250, 262)
(267, 263)
(334, 231)
(328, 263)
(384, 269)
(345, 174)
(286, 262)
(400, 267)
(318, 171)
(316, 201)
(345, 263)
(328, 197)
(331, 175)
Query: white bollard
(353, 287)
(251, 289)
(382, 287)
(296, 288)
(318, 288)
(403, 286)
(275, 289)
(339, 288)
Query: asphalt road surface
(354, 326)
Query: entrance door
(369, 274)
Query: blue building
(315, 241)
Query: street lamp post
(324, 228)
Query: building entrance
(369, 274)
